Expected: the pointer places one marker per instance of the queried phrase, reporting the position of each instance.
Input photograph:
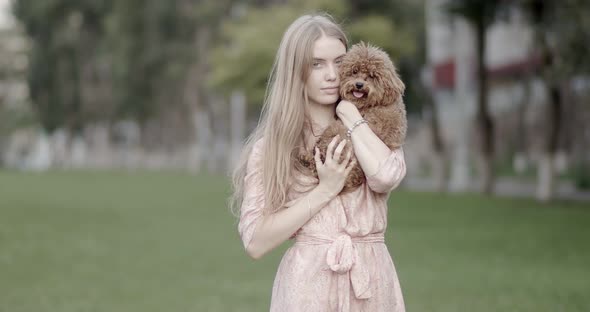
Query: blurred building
(516, 96)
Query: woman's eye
(316, 64)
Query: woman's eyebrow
(321, 59)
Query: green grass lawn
(115, 241)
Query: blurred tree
(206, 110)
(104, 60)
(562, 39)
(244, 55)
(481, 14)
(152, 48)
(62, 58)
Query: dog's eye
(355, 71)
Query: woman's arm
(262, 233)
(274, 229)
(383, 167)
(368, 147)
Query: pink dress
(339, 261)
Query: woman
(339, 261)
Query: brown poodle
(369, 80)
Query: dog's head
(369, 78)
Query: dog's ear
(394, 86)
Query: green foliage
(477, 12)
(246, 50)
(382, 32)
(138, 50)
(209, 12)
(244, 56)
(151, 47)
(11, 119)
(141, 50)
(567, 30)
(64, 34)
(581, 176)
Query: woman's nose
(332, 73)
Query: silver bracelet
(356, 124)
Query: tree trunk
(546, 168)
(441, 163)
(484, 120)
(196, 99)
(237, 123)
(546, 179)
(460, 177)
(204, 139)
(520, 161)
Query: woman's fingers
(330, 151)
(349, 168)
(347, 159)
(348, 156)
(350, 164)
(316, 155)
(338, 151)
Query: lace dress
(339, 261)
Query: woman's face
(322, 83)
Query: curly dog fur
(368, 71)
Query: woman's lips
(330, 90)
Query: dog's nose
(358, 85)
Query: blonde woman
(339, 261)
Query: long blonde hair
(284, 111)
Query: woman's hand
(347, 113)
(333, 172)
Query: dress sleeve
(390, 173)
(253, 202)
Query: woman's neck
(321, 116)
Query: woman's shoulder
(255, 154)
(258, 143)
(258, 146)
